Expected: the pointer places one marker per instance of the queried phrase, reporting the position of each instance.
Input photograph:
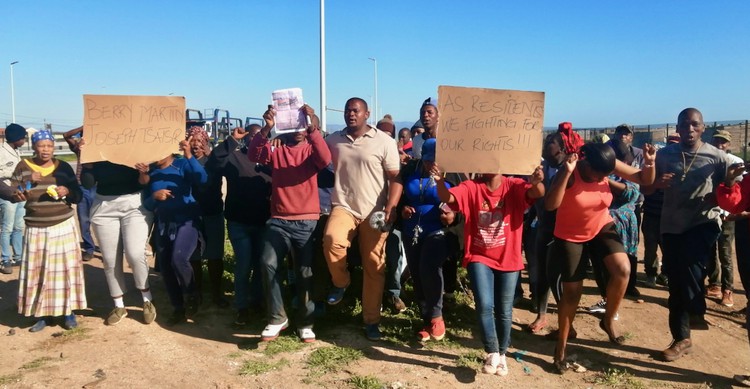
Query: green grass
(471, 360)
(261, 367)
(283, 344)
(332, 359)
(10, 379)
(616, 378)
(37, 363)
(365, 382)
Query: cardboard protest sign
(489, 130)
(130, 129)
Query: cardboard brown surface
(489, 130)
(131, 129)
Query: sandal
(742, 379)
(619, 340)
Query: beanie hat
(386, 124)
(14, 132)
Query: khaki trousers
(340, 230)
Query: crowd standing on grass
(301, 208)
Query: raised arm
(259, 150)
(644, 176)
(557, 190)
(537, 184)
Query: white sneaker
(502, 367)
(306, 335)
(491, 361)
(272, 331)
(599, 307)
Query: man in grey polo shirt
(366, 165)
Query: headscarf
(572, 142)
(198, 133)
(42, 135)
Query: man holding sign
(295, 211)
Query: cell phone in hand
(445, 208)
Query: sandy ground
(211, 353)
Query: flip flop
(620, 340)
(742, 379)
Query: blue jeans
(84, 219)
(12, 232)
(280, 237)
(247, 241)
(493, 296)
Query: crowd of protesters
(300, 208)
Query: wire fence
(657, 134)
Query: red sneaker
(437, 328)
(423, 335)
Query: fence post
(744, 146)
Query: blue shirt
(178, 177)
(421, 193)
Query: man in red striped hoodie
(295, 160)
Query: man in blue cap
(11, 236)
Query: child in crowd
(51, 283)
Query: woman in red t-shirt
(493, 206)
(581, 194)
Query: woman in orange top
(581, 195)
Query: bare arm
(646, 175)
(557, 191)
(537, 184)
(395, 188)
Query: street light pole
(12, 92)
(375, 61)
(323, 102)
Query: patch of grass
(10, 379)
(616, 378)
(365, 382)
(235, 355)
(76, 333)
(261, 367)
(445, 344)
(37, 363)
(283, 344)
(471, 360)
(332, 359)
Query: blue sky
(599, 63)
